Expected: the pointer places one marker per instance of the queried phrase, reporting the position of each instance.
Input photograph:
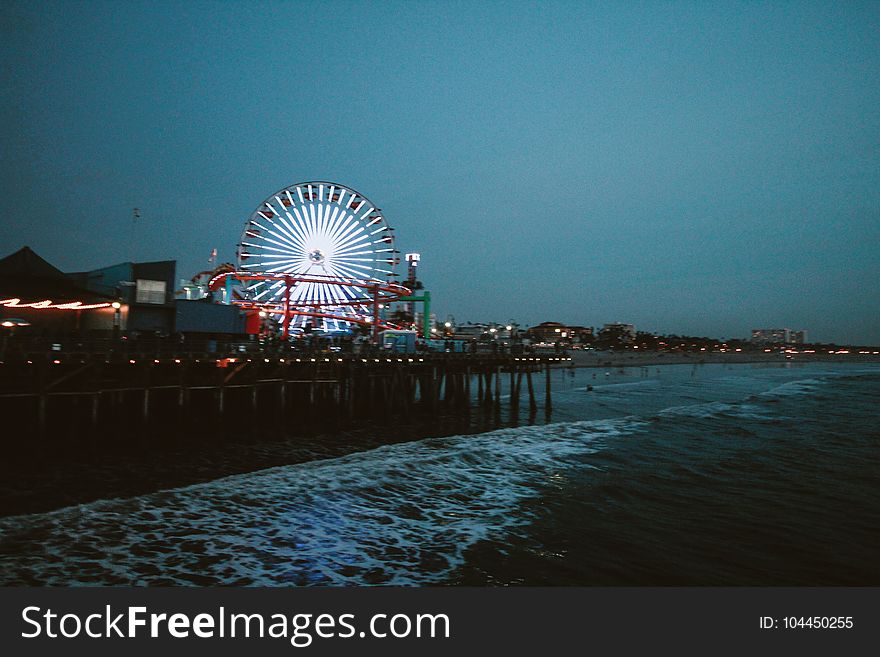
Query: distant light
(509, 327)
(448, 325)
(116, 305)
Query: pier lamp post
(117, 318)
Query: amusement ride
(315, 254)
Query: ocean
(765, 474)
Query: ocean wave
(401, 514)
(794, 388)
(715, 410)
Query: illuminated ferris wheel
(324, 235)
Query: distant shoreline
(655, 358)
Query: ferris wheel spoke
(283, 241)
(272, 258)
(350, 236)
(285, 267)
(319, 219)
(349, 270)
(285, 248)
(334, 221)
(287, 229)
(286, 243)
(328, 220)
(353, 240)
(344, 220)
(313, 222)
(354, 249)
(275, 230)
(300, 223)
(269, 289)
(296, 228)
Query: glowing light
(116, 305)
(47, 304)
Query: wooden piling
(548, 401)
(533, 405)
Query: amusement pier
(310, 323)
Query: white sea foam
(400, 514)
(795, 388)
(713, 410)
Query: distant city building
(778, 336)
(484, 330)
(555, 331)
(548, 332)
(798, 337)
(470, 330)
(627, 332)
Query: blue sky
(688, 167)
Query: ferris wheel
(324, 235)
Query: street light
(117, 318)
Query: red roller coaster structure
(364, 310)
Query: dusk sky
(700, 168)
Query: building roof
(25, 275)
(25, 262)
